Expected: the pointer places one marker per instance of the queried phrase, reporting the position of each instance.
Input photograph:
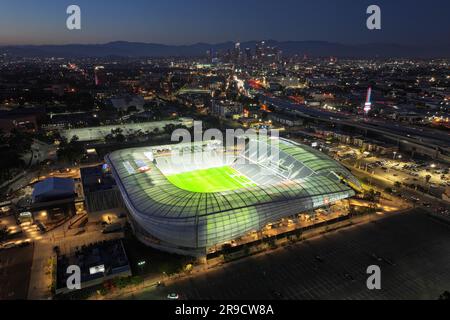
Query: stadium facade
(186, 198)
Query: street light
(142, 263)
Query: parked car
(8, 245)
(173, 296)
(115, 227)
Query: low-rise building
(124, 103)
(53, 200)
(285, 120)
(97, 263)
(100, 189)
(100, 133)
(227, 109)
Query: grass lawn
(211, 180)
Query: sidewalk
(151, 282)
(40, 277)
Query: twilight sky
(190, 21)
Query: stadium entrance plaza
(304, 220)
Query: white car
(173, 296)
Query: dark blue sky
(191, 21)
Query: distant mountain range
(310, 48)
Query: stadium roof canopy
(196, 220)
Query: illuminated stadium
(187, 198)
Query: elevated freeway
(420, 140)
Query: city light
(142, 263)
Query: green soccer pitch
(211, 180)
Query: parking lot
(412, 250)
(15, 267)
(408, 173)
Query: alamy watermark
(374, 20)
(252, 146)
(73, 21)
(73, 282)
(374, 280)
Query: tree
(12, 147)
(370, 195)
(20, 141)
(116, 135)
(9, 161)
(109, 138)
(445, 296)
(70, 151)
(117, 131)
(3, 233)
(169, 128)
(120, 138)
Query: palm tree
(428, 178)
(169, 128)
(445, 296)
(70, 151)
